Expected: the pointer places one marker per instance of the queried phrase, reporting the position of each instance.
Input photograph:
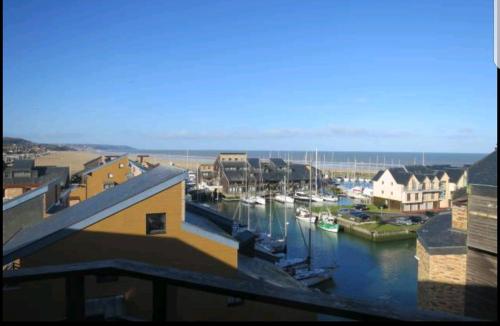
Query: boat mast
(310, 216)
(246, 189)
(316, 173)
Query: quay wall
(354, 228)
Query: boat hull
(334, 228)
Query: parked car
(417, 219)
(364, 216)
(361, 207)
(356, 213)
(344, 211)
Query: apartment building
(100, 174)
(144, 220)
(238, 174)
(457, 252)
(24, 176)
(29, 208)
(206, 174)
(417, 188)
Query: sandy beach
(75, 159)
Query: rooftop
(90, 211)
(438, 238)
(109, 162)
(400, 175)
(23, 164)
(484, 171)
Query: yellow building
(100, 175)
(144, 220)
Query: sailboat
(246, 199)
(258, 199)
(315, 197)
(302, 213)
(305, 274)
(284, 198)
(266, 243)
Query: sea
(327, 158)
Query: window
(392, 184)
(408, 197)
(391, 193)
(416, 196)
(155, 223)
(110, 175)
(382, 182)
(382, 192)
(109, 185)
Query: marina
(361, 269)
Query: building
(136, 168)
(144, 220)
(206, 174)
(28, 209)
(100, 174)
(24, 176)
(237, 174)
(457, 252)
(417, 188)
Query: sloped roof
(90, 211)
(484, 171)
(278, 162)
(440, 174)
(299, 172)
(438, 237)
(212, 231)
(25, 197)
(418, 169)
(460, 194)
(400, 175)
(421, 177)
(95, 168)
(454, 174)
(23, 164)
(378, 175)
(254, 163)
(45, 174)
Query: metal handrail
(163, 277)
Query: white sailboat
(330, 198)
(259, 200)
(304, 214)
(247, 199)
(284, 198)
(311, 276)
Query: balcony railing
(162, 278)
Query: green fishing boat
(327, 223)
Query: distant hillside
(13, 142)
(102, 147)
(16, 141)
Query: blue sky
(261, 74)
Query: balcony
(163, 278)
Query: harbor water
(385, 272)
